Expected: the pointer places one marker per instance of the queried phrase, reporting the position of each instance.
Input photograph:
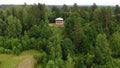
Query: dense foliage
(89, 38)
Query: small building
(59, 21)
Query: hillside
(89, 37)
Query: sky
(61, 2)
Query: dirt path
(26, 63)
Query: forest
(89, 37)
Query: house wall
(59, 21)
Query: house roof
(59, 19)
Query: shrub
(41, 58)
(38, 59)
(2, 50)
(8, 51)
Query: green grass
(39, 66)
(11, 61)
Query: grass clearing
(11, 61)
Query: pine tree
(102, 50)
(115, 45)
(75, 8)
